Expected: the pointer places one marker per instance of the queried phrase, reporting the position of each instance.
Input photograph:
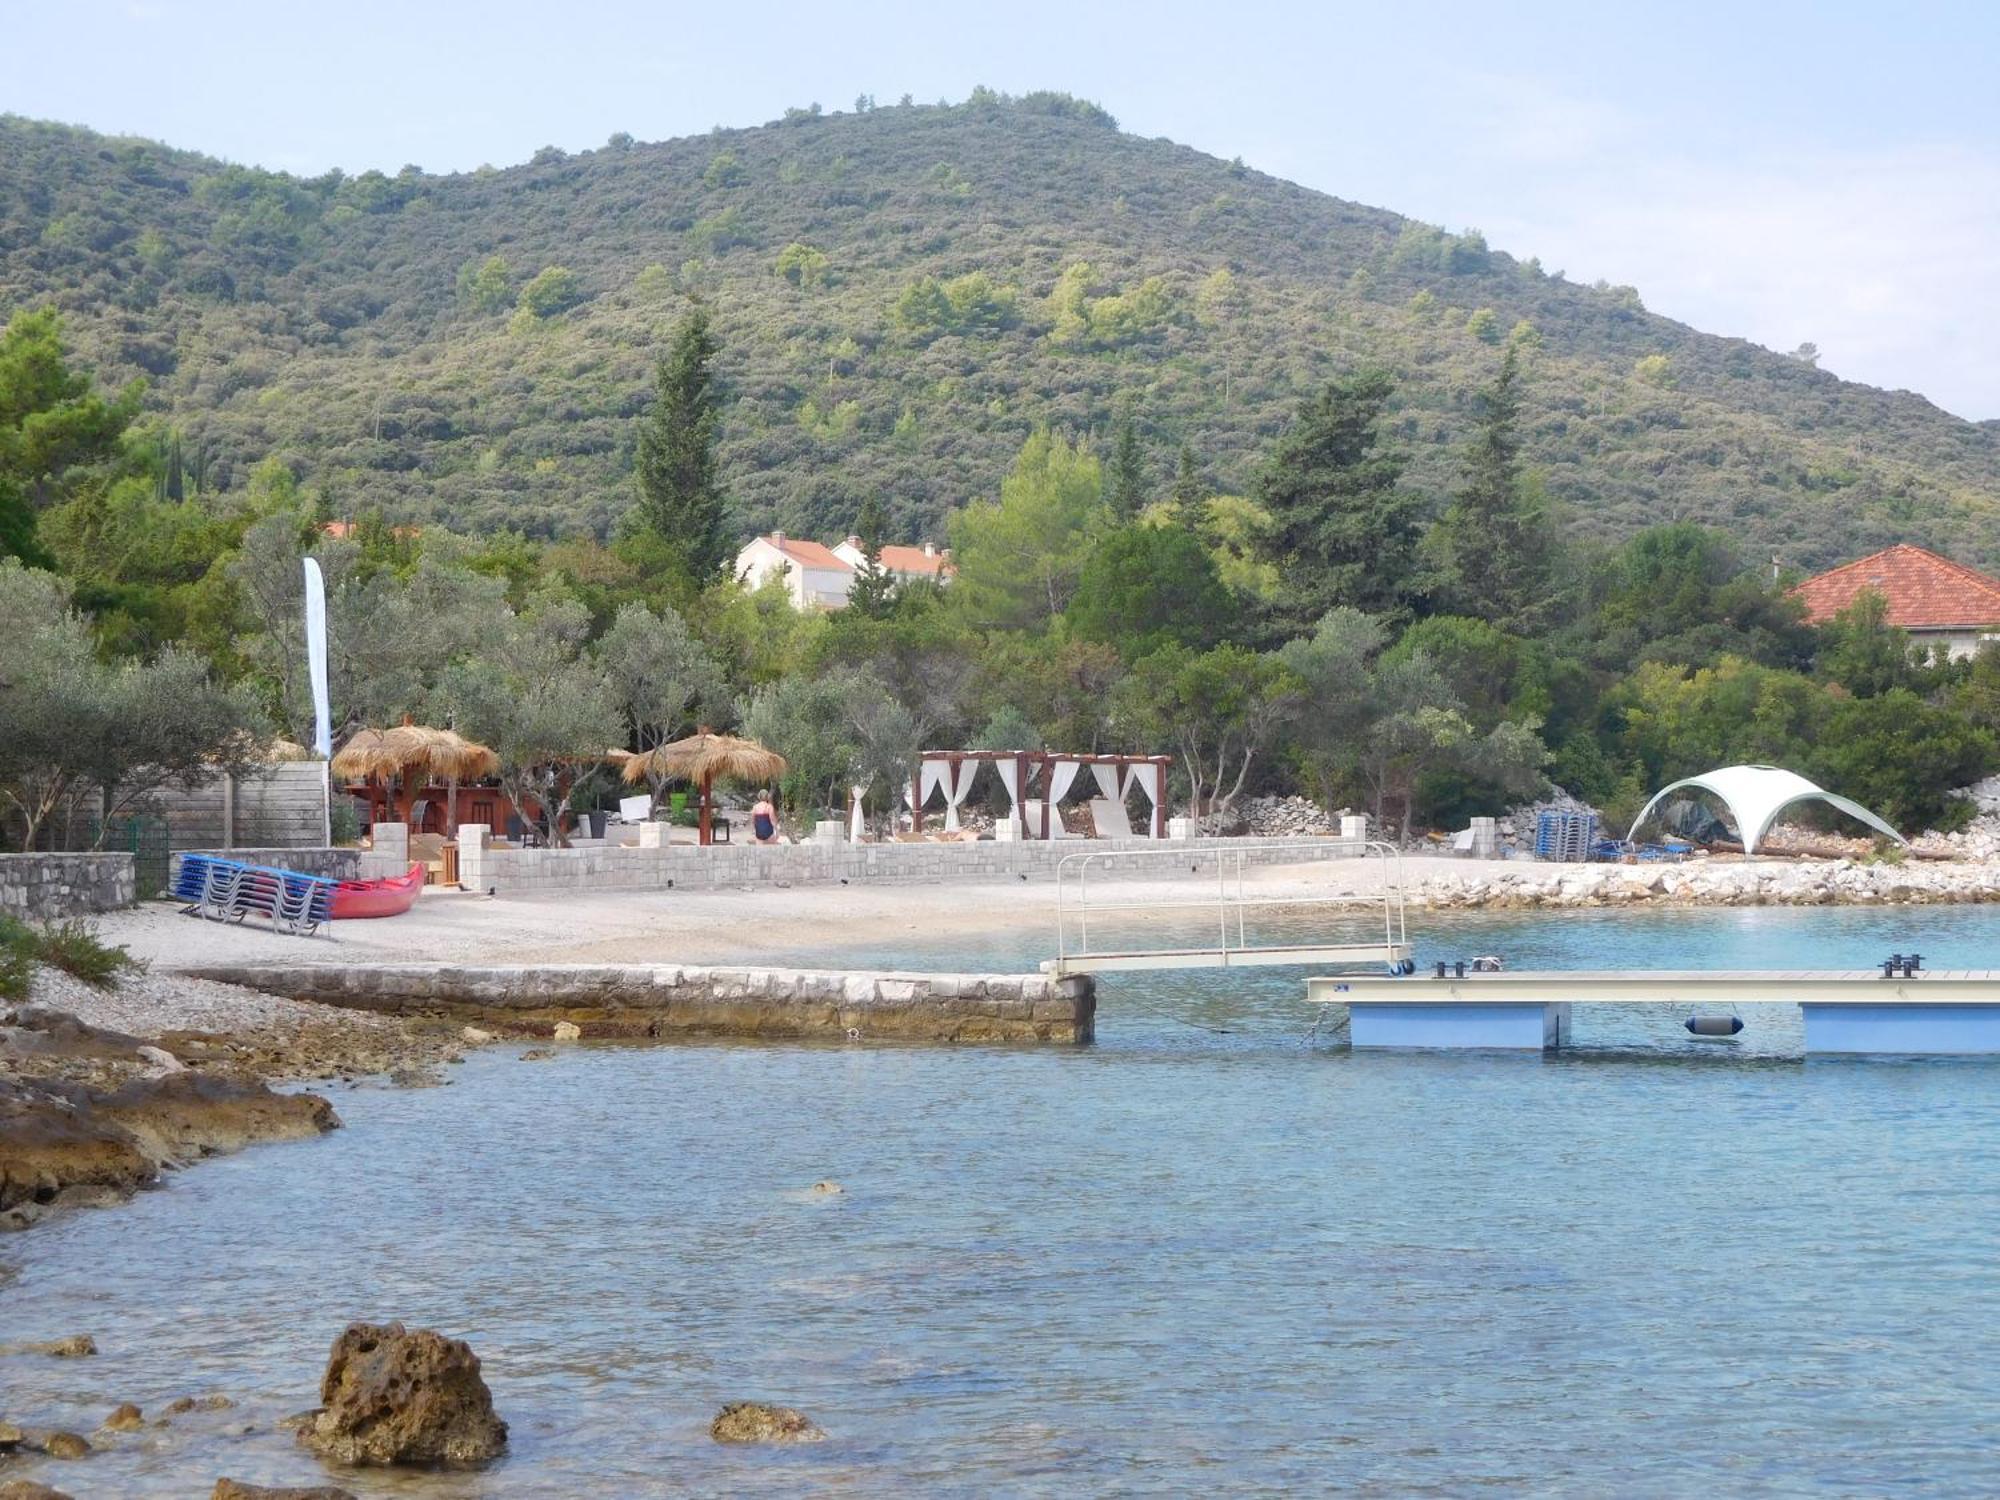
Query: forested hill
(902, 294)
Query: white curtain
(1061, 774)
(856, 826)
(956, 793)
(1147, 779)
(935, 773)
(1010, 776)
(1107, 782)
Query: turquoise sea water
(1202, 1253)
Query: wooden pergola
(1148, 771)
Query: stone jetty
(668, 1000)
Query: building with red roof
(819, 577)
(1938, 601)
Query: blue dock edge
(1514, 1024)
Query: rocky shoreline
(1717, 881)
(103, 1091)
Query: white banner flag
(316, 658)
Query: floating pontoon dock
(1941, 1011)
(1222, 908)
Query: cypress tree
(1128, 473)
(1495, 540)
(680, 497)
(873, 592)
(1343, 531)
(1190, 494)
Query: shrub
(74, 948)
(17, 953)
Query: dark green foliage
(1495, 541)
(1343, 530)
(873, 592)
(17, 957)
(74, 948)
(1900, 756)
(57, 434)
(330, 328)
(680, 496)
(71, 946)
(1190, 494)
(1864, 653)
(1681, 593)
(1126, 486)
(1143, 587)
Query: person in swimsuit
(764, 820)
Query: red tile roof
(914, 560)
(810, 554)
(1925, 591)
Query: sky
(1789, 173)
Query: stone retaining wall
(656, 1000)
(505, 872)
(42, 887)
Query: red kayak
(388, 897)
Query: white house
(814, 575)
(927, 561)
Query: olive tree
(82, 739)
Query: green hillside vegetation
(901, 296)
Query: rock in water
(391, 1395)
(755, 1422)
(10, 1435)
(181, 1405)
(128, 1418)
(65, 1445)
(827, 1188)
(28, 1489)
(473, 1036)
(236, 1489)
(76, 1346)
(568, 1031)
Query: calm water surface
(1205, 1252)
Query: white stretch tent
(1756, 795)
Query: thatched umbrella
(417, 754)
(701, 758)
(278, 752)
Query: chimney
(854, 542)
(778, 539)
(930, 549)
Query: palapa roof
(1924, 591)
(701, 757)
(413, 749)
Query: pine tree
(680, 497)
(873, 592)
(1342, 529)
(1128, 473)
(1495, 541)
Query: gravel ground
(151, 1003)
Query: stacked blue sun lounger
(227, 890)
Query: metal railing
(1232, 901)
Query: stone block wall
(43, 887)
(666, 1000)
(483, 867)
